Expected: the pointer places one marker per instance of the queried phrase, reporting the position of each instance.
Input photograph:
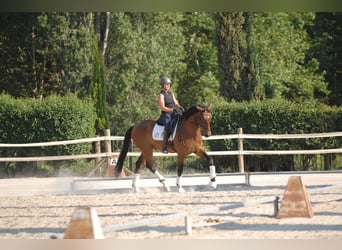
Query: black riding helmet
(165, 79)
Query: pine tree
(233, 56)
(98, 90)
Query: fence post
(97, 151)
(240, 147)
(108, 147)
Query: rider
(168, 104)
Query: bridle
(205, 116)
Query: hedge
(54, 118)
(277, 116)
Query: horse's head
(204, 118)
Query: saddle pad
(158, 132)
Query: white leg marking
(135, 183)
(163, 181)
(212, 172)
(179, 179)
(160, 177)
(212, 183)
(179, 185)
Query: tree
(233, 60)
(45, 53)
(102, 23)
(199, 84)
(17, 57)
(142, 47)
(98, 90)
(327, 36)
(280, 46)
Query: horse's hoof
(181, 190)
(213, 184)
(167, 188)
(135, 189)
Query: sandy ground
(27, 213)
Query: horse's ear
(200, 108)
(210, 106)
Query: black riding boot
(166, 139)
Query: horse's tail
(124, 150)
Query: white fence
(239, 136)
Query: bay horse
(187, 140)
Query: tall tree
(98, 90)
(199, 84)
(233, 56)
(142, 47)
(327, 36)
(280, 52)
(102, 23)
(18, 50)
(46, 53)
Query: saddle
(158, 129)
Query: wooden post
(240, 148)
(97, 151)
(108, 147)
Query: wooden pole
(240, 148)
(108, 147)
(97, 151)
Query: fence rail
(240, 136)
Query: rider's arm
(176, 102)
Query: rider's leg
(167, 130)
(167, 133)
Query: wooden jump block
(296, 200)
(84, 224)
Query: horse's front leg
(160, 177)
(179, 174)
(212, 183)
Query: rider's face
(166, 86)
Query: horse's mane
(189, 112)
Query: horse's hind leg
(180, 173)
(151, 166)
(138, 165)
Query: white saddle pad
(158, 132)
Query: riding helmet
(165, 79)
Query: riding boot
(166, 140)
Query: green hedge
(276, 116)
(54, 118)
